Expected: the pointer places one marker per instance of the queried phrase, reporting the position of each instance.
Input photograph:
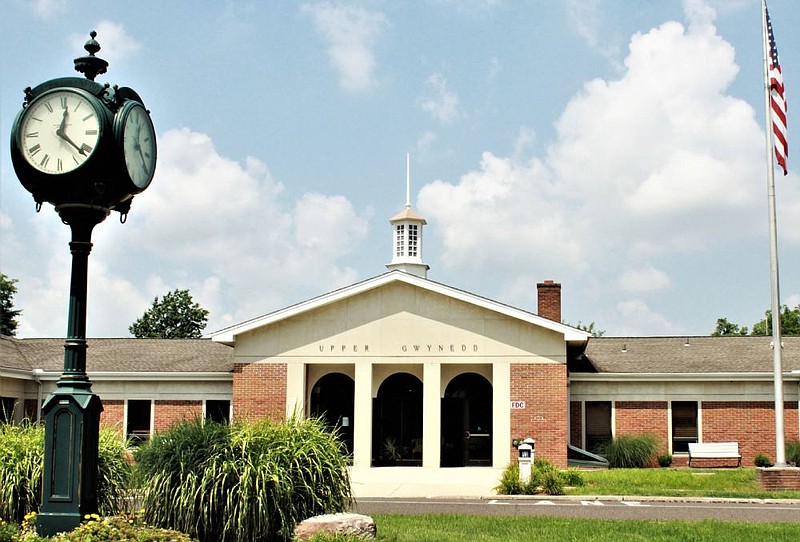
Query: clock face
(139, 144)
(59, 131)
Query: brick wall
(750, 423)
(259, 390)
(544, 390)
(575, 425)
(774, 479)
(548, 296)
(113, 415)
(167, 413)
(642, 417)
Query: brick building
(425, 381)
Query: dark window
(397, 422)
(138, 423)
(218, 411)
(7, 409)
(598, 424)
(684, 425)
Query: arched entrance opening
(332, 400)
(467, 422)
(397, 422)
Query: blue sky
(614, 146)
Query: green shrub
(665, 460)
(762, 460)
(123, 528)
(21, 463)
(8, 531)
(242, 482)
(573, 477)
(545, 478)
(510, 483)
(630, 451)
(114, 473)
(793, 453)
(21, 468)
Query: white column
(501, 413)
(431, 414)
(296, 389)
(362, 430)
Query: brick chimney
(548, 294)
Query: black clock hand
(63, 135)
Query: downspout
(37, 375)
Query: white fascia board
(680, 377)
(228, 335)
(18, 374)
(126, 376)
(161, 377)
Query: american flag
(777, 99)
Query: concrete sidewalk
(419, 482)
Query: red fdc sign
(517, 405)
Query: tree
(727, 329)
(8, 316)
(790, 322)
(175, 316)
(590, 328)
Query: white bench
(714, 450)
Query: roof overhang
(793, 376)
(127, 376)
(228, 335)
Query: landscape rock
(344, 523)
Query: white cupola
(407, 237)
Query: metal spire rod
(408, 180)
(777, 345)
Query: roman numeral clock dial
(138, 141)
(59, 131)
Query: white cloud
(351, 32)
(47, 9)
(639, 319)
(474, 8)
(440, 102)
(225, 226)
(425, 142)
(588, 18)
(646, 279)
(659, 161)
(216, 226)
(115, 42)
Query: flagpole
(777, 345)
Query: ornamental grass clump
(21, 469)
(21, 464)
(242, 482)
(630, 451)
(545, 478)
(793, 453)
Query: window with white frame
(218, 410)
(684, 425)
(400, 239)
(598, 424)
(137, 422)
(413, 239)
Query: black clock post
(87, 149)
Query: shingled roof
(120, 355)
(689, 354)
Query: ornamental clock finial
(91, 66)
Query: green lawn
(738, 483)
(454, 528)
